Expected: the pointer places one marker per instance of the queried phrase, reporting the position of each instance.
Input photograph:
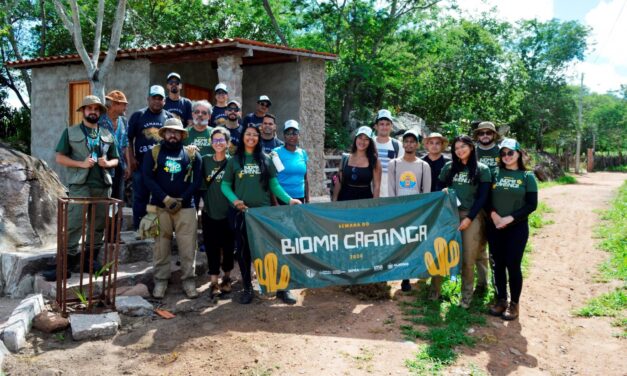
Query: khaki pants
(185, 225)
(75, 214)
(474, 253)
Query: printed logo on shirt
(172, 165)
(407, 180)
(201, 142)
(490, 161)
(461, 178)
(151, 133)
(507, 182)
(250, 170)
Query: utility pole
(577, 156)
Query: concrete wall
(280, 82)
(196, 73)
(50, 98)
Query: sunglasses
(291, 133)
(485, 133)
(201, 112)
(232, 109)
(508, 153)
(218, 141)
(264, 104)
(220, 92)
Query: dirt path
(332, 333)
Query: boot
(498, 308)
(286, 296)
(189, 287)
(160, 286)
(214, 290)
(50, 274)
(405, 285)
(511, 313)
(246, 296)
(225, 286)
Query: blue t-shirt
(268, 145)
(252, 118)
(181, 109)
(292, 179)
(218, 117)
(143, 130)
(236, 135)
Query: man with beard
(173, 175)
(176, 104)
(233, 124)
(486, 138)
(218, 115)
(200, 132)
(269, 140)
(143, 135)
(89, 153)
(256, 118)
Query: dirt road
(332, 333)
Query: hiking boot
(225, 285)
(405, 285)
(498, 308)
(465, 303)
(511, 313)
(246, 296)
(286, 296)
(160, 286)
(214, 290)
(189, 287)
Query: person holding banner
(293, 178)
(217, 234)
(360, 171)
(514, 197)
(249, 179)
(471, 181)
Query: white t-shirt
(386, 153)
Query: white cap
(173, 74)
(291, 124)
(384, 114)
(364, 130)
(221, 86)
(156, 90)
(264, 98)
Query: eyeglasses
(264, 104)
(485, 133)
(220, 92)
(201, 112)
(235, 109)
(293, 132)
(174, 82)
(509, 153)
(218, 141)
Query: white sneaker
(160, 287)
(189, 287)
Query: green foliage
(613, 234)
(611, 304)
(566, 179)
(14, 126)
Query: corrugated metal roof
(178, 48)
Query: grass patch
(536, 222)
(613, 235)
(566, 179)
(622, 168)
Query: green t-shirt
(490, 157)
(246, 180)
(95, 176)
(462, 185)
(509, 190)
(216, 204)
(201, 139)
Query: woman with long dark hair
(471, 181)
(514, 197)
(248, 180)
(360, 171)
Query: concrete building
(294, 79)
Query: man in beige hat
(89, 153)
(172, 172)
(486, 138)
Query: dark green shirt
(246, 180)
(510, 188)
(95, 177)
(490, 157)
(216, 204)
(201, 139)
(465, 190)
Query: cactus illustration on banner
(267, 273)
(447, 255)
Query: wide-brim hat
(174, 124)
(489, 126)
(116, 96)
(437, 135)
(92, 99)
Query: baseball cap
(156, 90)
(173, 74)
(364, 130)
(291, 124)
(116, 96)
(233, 101)
(412, 132)
(221, 86)
(510, 144)
(264, 98)
(384, 114)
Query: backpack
(396, 145)
(336, 176)
(191, 153)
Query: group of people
(185, 156)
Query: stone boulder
(546, 167)
(28, 208)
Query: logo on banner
(447, 255)
(267, 273)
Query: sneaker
(246, 296)
(189, 287)
(511, 313)
(465, 303)
(225, 285)
(160, 287)
(498, 308)
(286, 296)
(405, 285)
(214, 290)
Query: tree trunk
(275, 24)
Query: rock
(514, 351)
(546, 167)
(94, 326)
(4, 352)
(20, 322)
(17, 268)
(138, 290)
(49, 322)
(133, 306)
(24, 287)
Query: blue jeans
(141, 195)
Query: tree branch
(98, 34)
(275, 24)
(114, 42)
(74, 27)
